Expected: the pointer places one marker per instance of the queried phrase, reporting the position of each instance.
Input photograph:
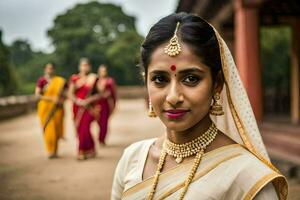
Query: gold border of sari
(54, 107)
(198, 175)
(170, 172)
(44, 107)
(260, 184)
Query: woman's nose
(174, 96)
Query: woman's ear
(219, 82)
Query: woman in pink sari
(106, 104)
(81, 86)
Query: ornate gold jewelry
(203, 143)
(173, 48)
(160, 165)
(192, 173)
(151, 112)
(216, 108)
(181, 151)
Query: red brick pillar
(247, 53)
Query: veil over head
(239, 122)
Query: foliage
(94, 30)
(8, 80)
(27, 65)
(275, 59)
(275, 41)
(20, 52)
(118, 56)
(33, 69)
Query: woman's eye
(159, 79)
(191, 80)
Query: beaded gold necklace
(196, 146)
(181, 151)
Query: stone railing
(12, 106)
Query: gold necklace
(181, 151)
(192, 172)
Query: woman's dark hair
(84, 59)
(193, 31)
(51, 63)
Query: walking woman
(103, 101)
(212, 148)
(50, 89)
(80, 88)
(106, 86)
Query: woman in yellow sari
(50, 91)
(212, 148)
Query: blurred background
(263, 35)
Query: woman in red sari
(103, 101)
(106, 85)
(81, 86)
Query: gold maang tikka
(173, 48)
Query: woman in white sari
(212, 148)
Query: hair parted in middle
(193, 31)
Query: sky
(30, 19)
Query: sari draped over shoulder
(105, 107)
(240, 171)
(82, 116)
(51, 114)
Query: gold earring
(216, 108)
(151, 112)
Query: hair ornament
(173, 48)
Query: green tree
(124, 58)
(276, 68)
(20, 52)
(33, 69)
(8, 81)
(275, 58)
(91, 30)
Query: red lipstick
(175, 113)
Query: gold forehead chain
(173, 48)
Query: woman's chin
(177, 126)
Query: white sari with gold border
(230, 172)
(241, 171)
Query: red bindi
(173, 67)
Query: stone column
(247, 53)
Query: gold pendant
(178, 160)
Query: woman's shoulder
(134, 154)
(41, 82)
(41, 79)
(250, 173)
(246, 160)
(138, 146)
(74, 77)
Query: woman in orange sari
(80, 88)
(50, 91)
